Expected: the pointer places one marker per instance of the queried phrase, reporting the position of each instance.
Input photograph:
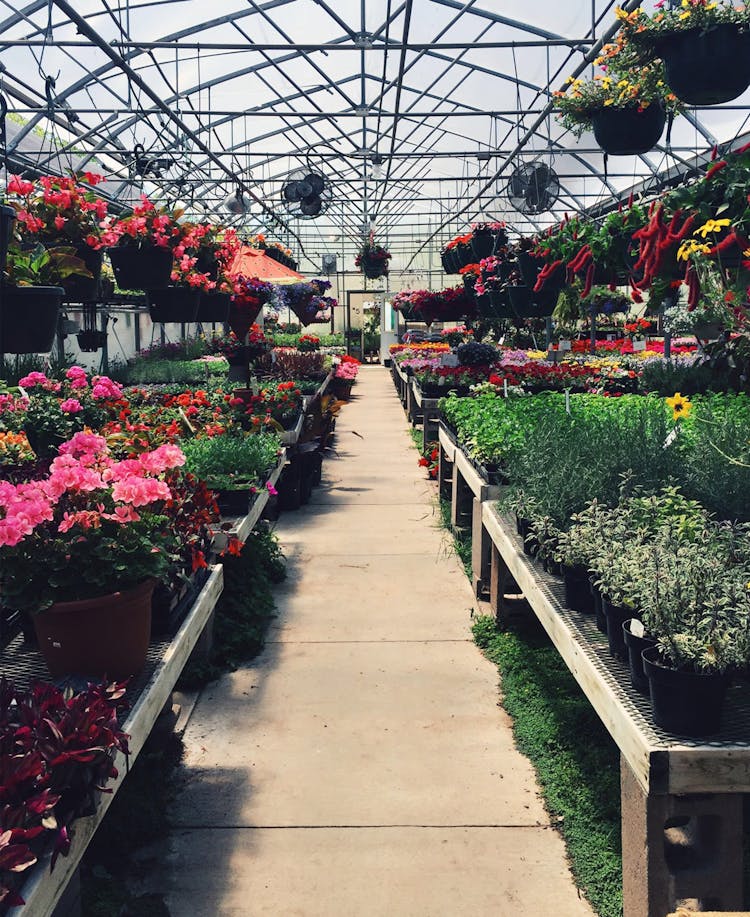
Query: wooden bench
(681, 808)
(43, 889)
(425, 412)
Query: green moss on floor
(577, 763)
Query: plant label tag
(639, 346)
(610, 337)
(273, 356)
(564, 345)
(449, 360)
(670, 438)
(552, 356)
(637, 629)
(254, 386)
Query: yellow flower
(691, 247)
(681, 406)
(620, 13)
(711, 226)
(685, 15)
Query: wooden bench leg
(462, 499)
(445, 475)
(506, 599)
(481, 553)
(429, 427)
(679, 851)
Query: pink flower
(82, 443)
(166, 456)
(140, 491)
(71, 406)
(17, 185)
(104, 387)
(33, 378)
(271, 489)
(60, 222)
(123, 515)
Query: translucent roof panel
(451, 96)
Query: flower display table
(148, 694)
(681, 812)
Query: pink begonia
(82, 443)
(12, 403)
(71, 406)
(33, 379)
(271, 489)
(123, 515)
(140, 491)
(76, 372)
(87, 519)
(163, 457)
(104, 387)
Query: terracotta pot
(105, 636)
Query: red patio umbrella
(252, 262)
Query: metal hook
(49, 85)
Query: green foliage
(244, 610)
(186, 372)
(232, 461)
(577, 763)
(40, 266)
(291, 340)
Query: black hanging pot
(85, 289)
(494, 305)
(483, 243)
(522, 302)
(707, 68)
(685, 702)
(446, 263)
(214, 307)
(173, 304)
(29, 319)
(7, 219)
(91, 340)
(628, 131)
(464, 256)
(206, 262)
(147, 268)
(373, 269)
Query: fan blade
(518, 183)
(311, 206)
(305, 188)
(316, 182)
(291, 192)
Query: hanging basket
(173, 304)
(214, 307)
(627, 131)
(494, 305)
(7, 219)
(707, 68)
(373, 269)
(85, 289)
(108, 635)
(207, 263)
(522, 302)
(141, 268)
(242, 317)
(89, 341)
(29, 318)
(483, 243)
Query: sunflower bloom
(680, 405)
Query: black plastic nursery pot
(596, 595)
(498, 307)
(521, 302)
(577, 589)
(214, 307)
(233, 502)
(530, 544)
(685, 703)
(628, 131)
(635, 646)
(141, 268)
(616, 615)
(29, 319)
(707, 68)
(173, 304)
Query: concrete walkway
(361, 766)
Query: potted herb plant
(705, 46)
(233, 466)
